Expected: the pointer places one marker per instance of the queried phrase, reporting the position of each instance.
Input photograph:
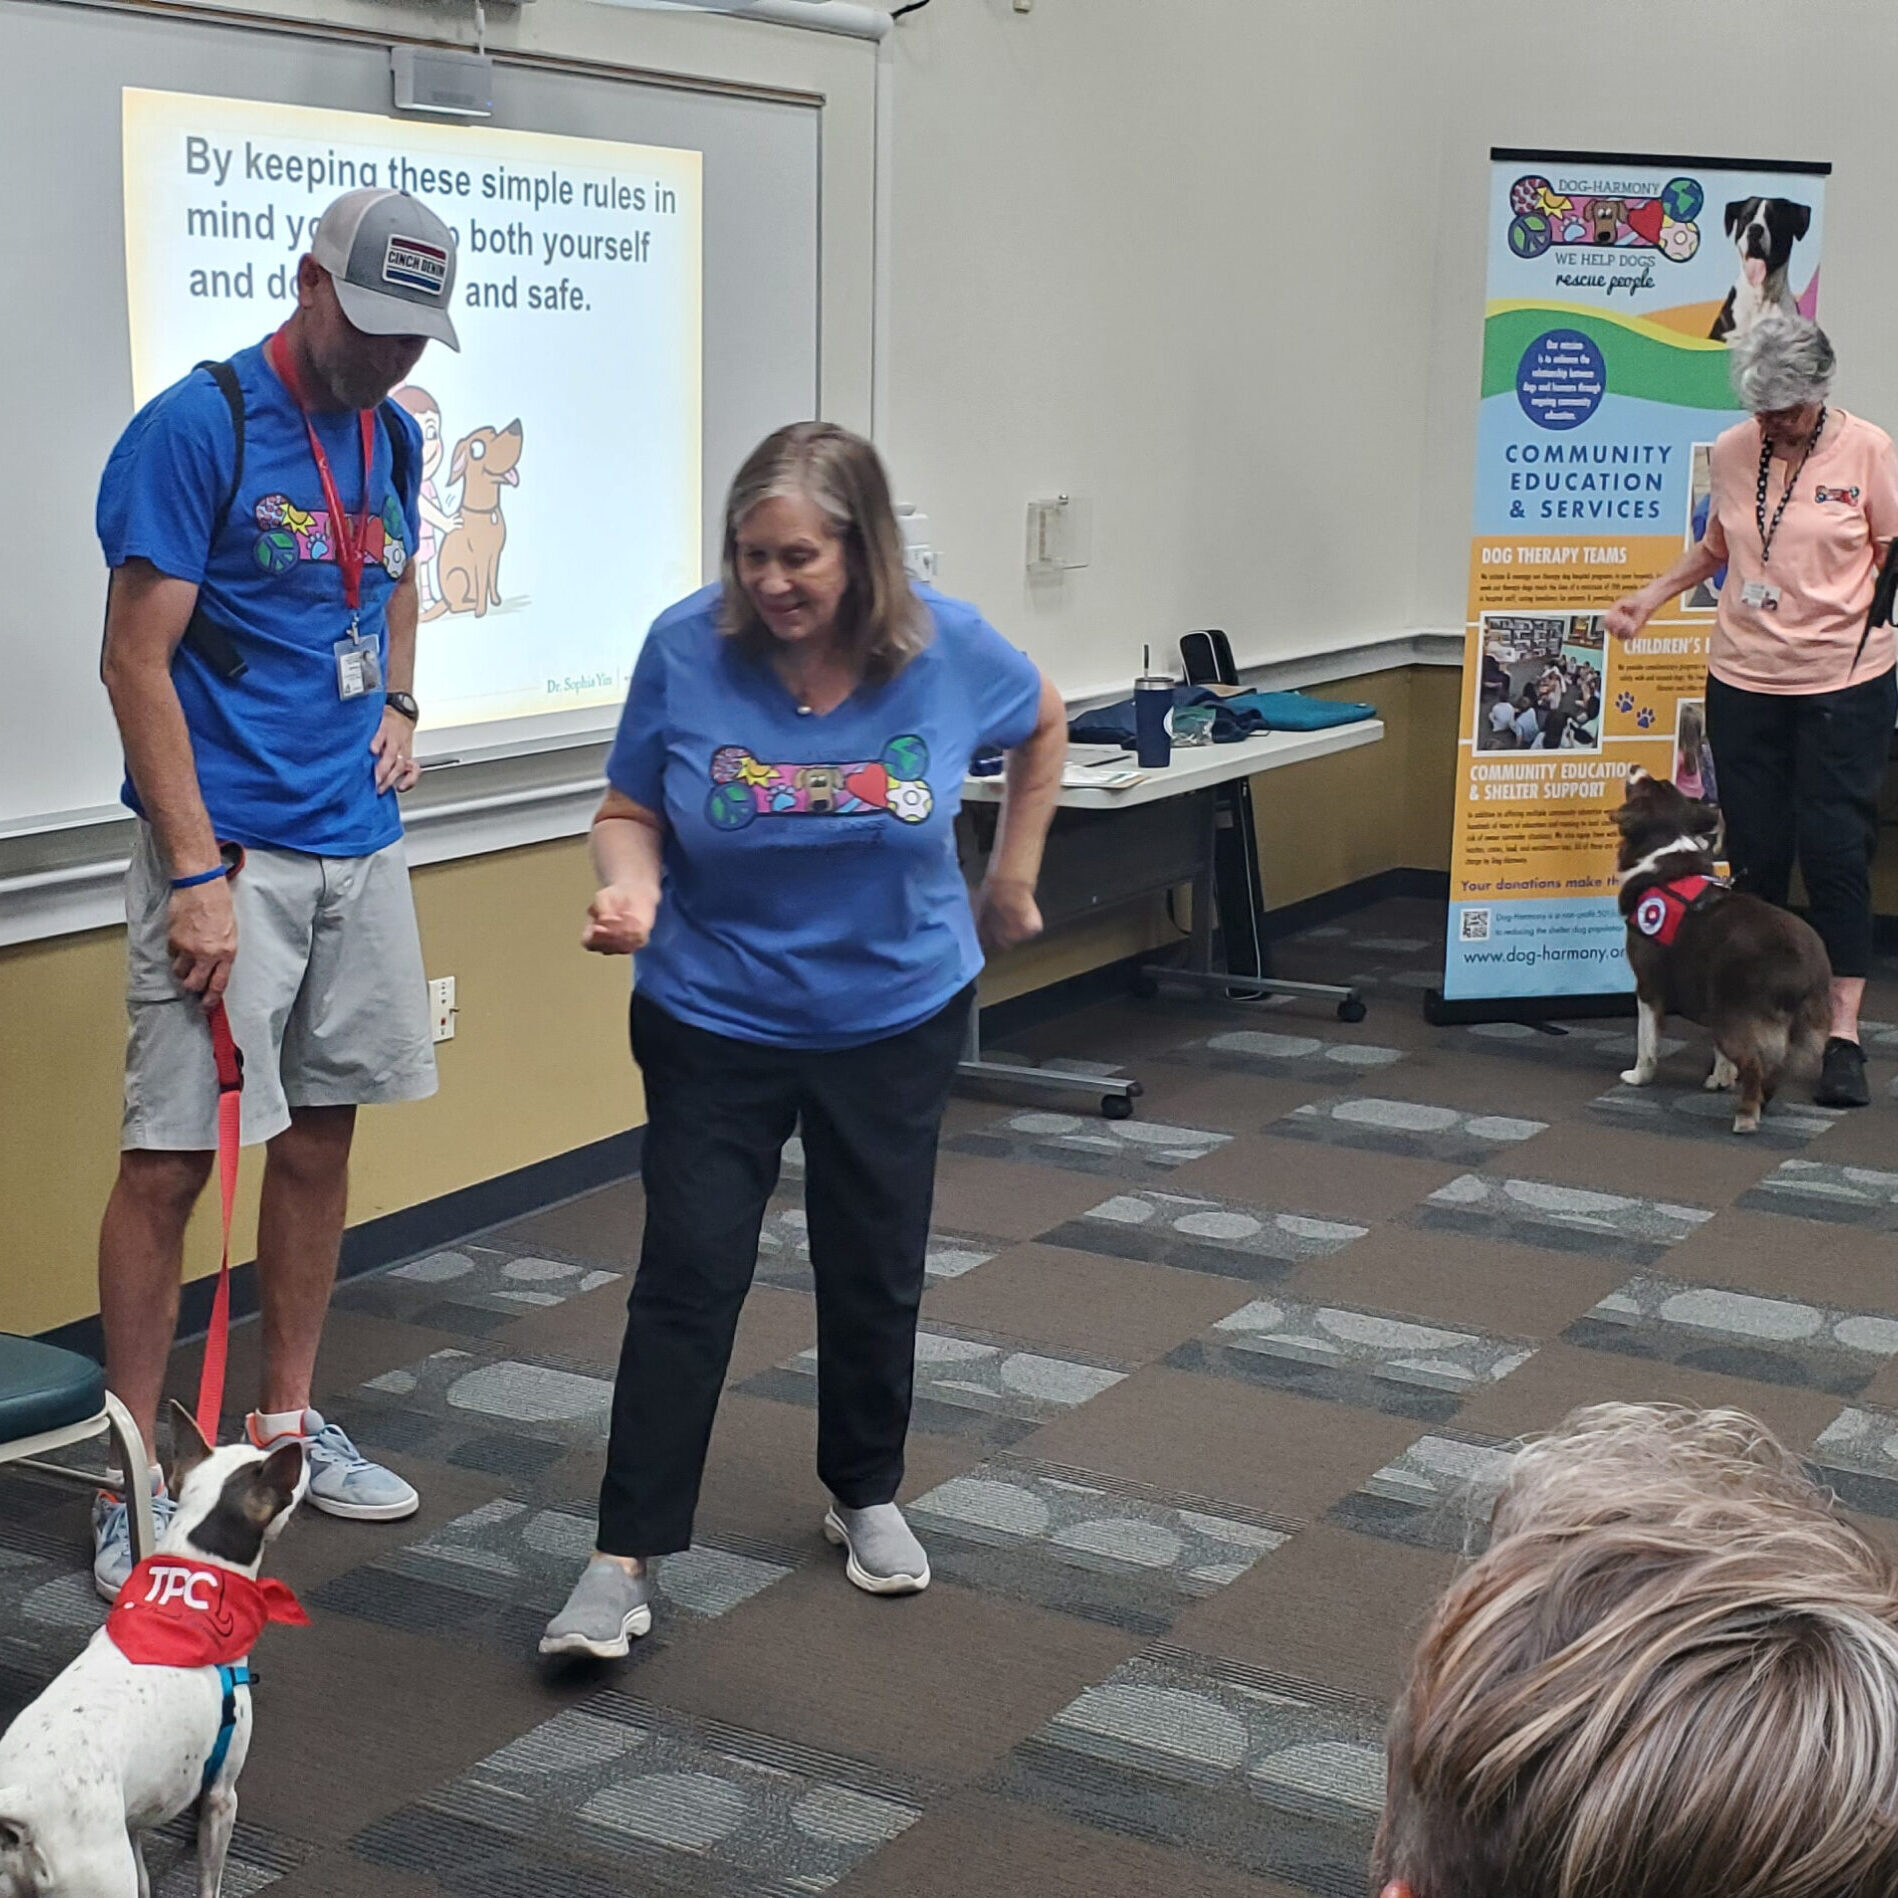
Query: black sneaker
(1842, 1076)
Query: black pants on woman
(718, 1114)
(1799, 777)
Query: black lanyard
(1792, 481)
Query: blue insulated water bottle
(1153, 703)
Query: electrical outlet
(441, 1007)
(920, 559)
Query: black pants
(1799, 777)
(718, 1114)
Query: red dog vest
(1659, 912)
(174, 1612)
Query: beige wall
(1385, 808)
(538, 1066)
(539, 1063)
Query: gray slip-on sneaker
(884, 1557)
(607, 1609)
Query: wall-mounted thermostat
(1060, 534)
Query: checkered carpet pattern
(1210, 1404)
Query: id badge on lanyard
(358, 660)
(358, 665)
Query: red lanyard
(351, 538)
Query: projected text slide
(561, 498)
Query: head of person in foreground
(1673, 1674)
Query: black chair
(51, 1398)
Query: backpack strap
(399, 463)
(227, 385)
(212, 642)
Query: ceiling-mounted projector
(439, 79)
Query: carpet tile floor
(1210, 1405)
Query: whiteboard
(64, 71)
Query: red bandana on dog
(173, 1612)
(1659, 912)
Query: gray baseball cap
(393, 262)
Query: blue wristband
(203, 876)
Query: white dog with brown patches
(156, 1712)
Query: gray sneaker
(607, 1609)
(884, 1557)
(112, 1538)
(339, 1479)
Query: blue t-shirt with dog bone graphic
(812, 897)
(282, 759)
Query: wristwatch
(401, 702)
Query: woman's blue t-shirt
(812, 897)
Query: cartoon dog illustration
(1605, 215)
(469, 565)
(744, 788)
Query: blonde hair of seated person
(1673, 1674)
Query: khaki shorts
(327, 998)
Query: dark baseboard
(528, 1189)
(400, 1235)
(1431, 886)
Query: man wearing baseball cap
(258, 518)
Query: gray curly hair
(1782, 362)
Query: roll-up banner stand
(1615, 285)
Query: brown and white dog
(469, 565)
(1754, 976)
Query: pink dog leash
(230, 1099)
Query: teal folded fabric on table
(1242, 715)
(1294, 712)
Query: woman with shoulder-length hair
(1802, 694)
(777, 847)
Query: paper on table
(1099, 768)
(1098, 777)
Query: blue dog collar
(231, 1675)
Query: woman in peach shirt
(1802, 694)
